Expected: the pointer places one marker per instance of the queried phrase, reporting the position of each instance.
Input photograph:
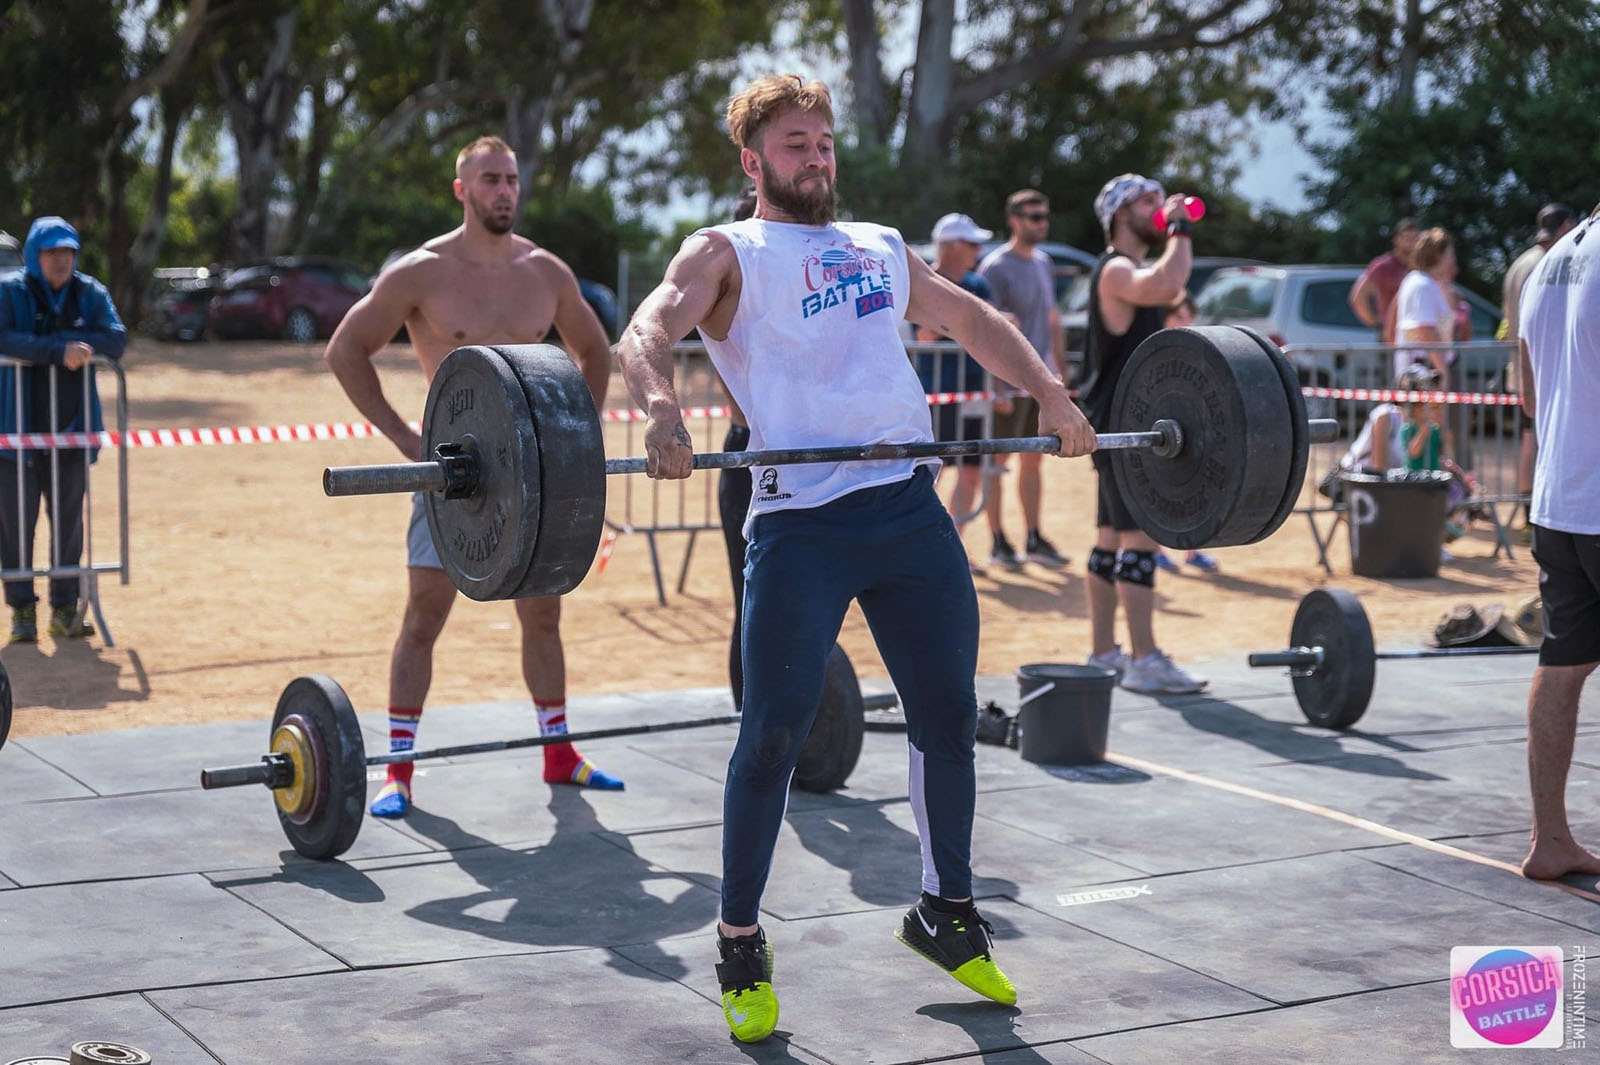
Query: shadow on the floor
(559, 897)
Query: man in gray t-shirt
(1019, 274)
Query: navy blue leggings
(894, 549)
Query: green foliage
(1515, 124)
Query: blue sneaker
(1164, 563)
(1202, 561)
(392, 802)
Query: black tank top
(1106, 353)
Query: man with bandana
(1128, 302)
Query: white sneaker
(1156, 674)
(1115, 660)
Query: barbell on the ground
(5, 705)
(1211, 444)
(1333, 661)
(317, 763)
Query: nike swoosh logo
(925, 925)
(739, 1016)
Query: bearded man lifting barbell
(801, 316)
(479, 284)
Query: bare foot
(1553, 859)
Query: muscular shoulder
(545, 265)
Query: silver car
(1310, 305)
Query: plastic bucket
(1396, 522)
(1064, 713)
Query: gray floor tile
(1499, 885)
(506, 800)
(1310, 927)
(129, 935)
(147, 759)
(1404, 1024)
(127, 1019)
(866, 856)
(870, 1000)
(25, 777)
(1043, 1054)
(1465, 791)
(490, 1011)
(578, 890)
(162, 833)
(1163, 825)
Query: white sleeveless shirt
(814, 356)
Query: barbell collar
(274, 770)
(1294, 658)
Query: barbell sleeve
(1165, 438)
(396, 477)
(267, 770)
(1294, 658)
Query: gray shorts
(420, 552)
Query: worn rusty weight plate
(319, 706)
(102, 1053)
(1299, 426)
(5, 705)
(1334, 694)
(833, 746)
(572, 468)
(1226, 483)
(485, 541)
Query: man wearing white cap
(1127, 304)
(957, 241)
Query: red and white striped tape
(1389, 395)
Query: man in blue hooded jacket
(56, 319)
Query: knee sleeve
(1103, 564)
(1136, 567)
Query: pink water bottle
(1193, 205)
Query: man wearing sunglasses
(1019, 276)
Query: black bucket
(1064, 713)
(1396, 522)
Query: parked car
(178, 301)
(1310, 305)
(299, 298)
(10, 253)
(1067, 263)
(1074, 304)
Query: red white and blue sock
(395, 797)
(562, 762)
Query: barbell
(1210, 443)
(316, 763)
(5, 705)
(1333, 662)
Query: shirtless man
(801, 314)
(479, 284)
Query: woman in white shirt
(1425, 313)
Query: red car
(300, 299)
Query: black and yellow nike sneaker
(749, 1004)
(960, 944)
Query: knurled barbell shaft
(1311, 657)
(268, 770)
(430, 476)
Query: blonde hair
(763, 99)
(479, 147)
(1430, 248)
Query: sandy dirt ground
(244, 575)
